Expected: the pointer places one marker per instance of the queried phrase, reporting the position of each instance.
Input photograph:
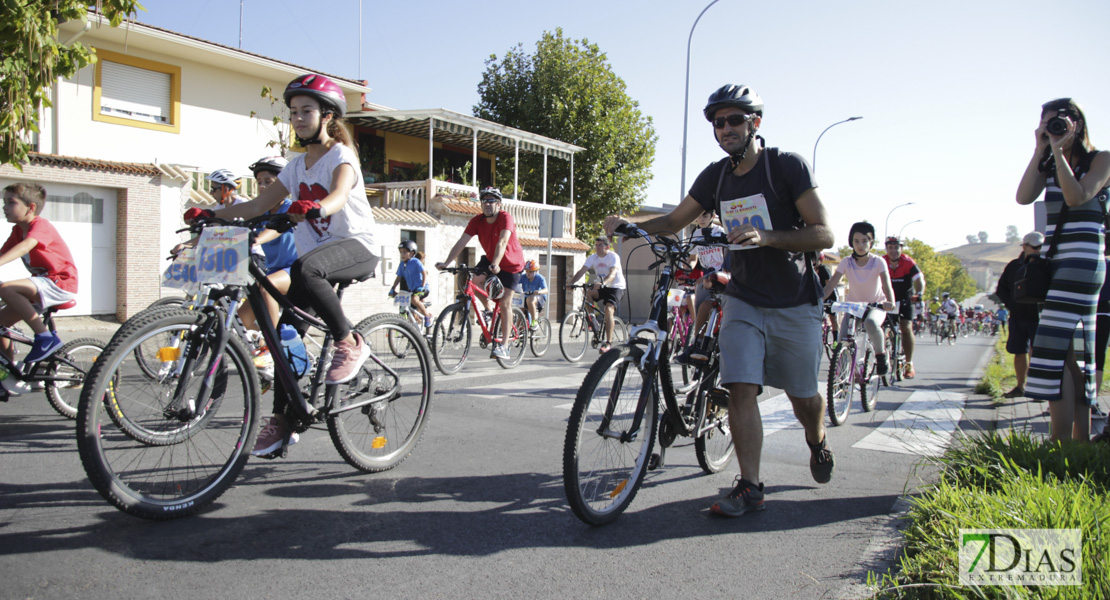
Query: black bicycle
(166, 445)
(615, 419)
(585, 328)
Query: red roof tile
(466, 208)
(73, 162)
(561, 243)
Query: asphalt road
(478, 510)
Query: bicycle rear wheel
(713, 439)
(540, 340)
(378, 435)
(451, 339)
(620, 331)
(155, 465)
(68, 368)
(574, 336)
(518, 338)
(842, 385)
(604, 462)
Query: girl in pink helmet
(334, 230)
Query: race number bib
(182, 274)
(856, 309)
(743, 211)
(403, 299)
(518, 300)
(223, 256)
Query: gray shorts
(776, 347)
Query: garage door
(85, 217)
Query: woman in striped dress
(1067, 168)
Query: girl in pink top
(868, 281)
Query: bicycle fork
(184, 408)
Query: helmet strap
(736, 158)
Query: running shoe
(821, 461)
(881, 365)
(46, 344)
(908, 371)
(271, 437)
(347, 360)
(745, 497)
(1017, 392)
(604, 347)
(499, 351)
(428, 321)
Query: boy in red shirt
(53, 278)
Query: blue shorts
(776, 347)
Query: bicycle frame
(470, 294)
(29, 373)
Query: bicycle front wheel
(451, 339)
(67, 370)
(604, 459)
(574, 336)
(541, 338)
(842, 384)
(153, 462)
(379, 416)
(869, 387)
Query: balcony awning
(459, 130)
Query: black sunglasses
(733, 120)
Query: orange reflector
(617, 490)
(379, 442)
(168, 354)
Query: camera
(1057, 125)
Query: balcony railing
(414, 195)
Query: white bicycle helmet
(273, 164)
(494, 288)
(224, 177)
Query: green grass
(998, 378)
(999, 481)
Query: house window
(81, 208)
(137, 92)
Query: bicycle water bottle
(293, 346)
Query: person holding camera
(1073, 176)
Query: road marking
(923, 425)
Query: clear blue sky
(950, 91)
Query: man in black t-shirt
(771, 329)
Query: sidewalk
(1023, 414)
(106, 323)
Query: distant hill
(994, 255)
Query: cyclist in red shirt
(53, 278)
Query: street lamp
(823, 133)
(686, 104)
(907, 225)
(886, 224)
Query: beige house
(128, 142)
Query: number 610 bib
(223, 255)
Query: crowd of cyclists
(773, 276)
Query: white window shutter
(135, 93)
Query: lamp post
(886, 224)
(907, 225)
(823, 133)
(686, 103)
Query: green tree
(1012, 234)
(32, 58)
(943, 272)
(566, 90)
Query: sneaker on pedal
(428, 321)
(881, 366)
(15, 387)
(46, 344)
(698, 353)
(604, 347)
(908, 371)
(821, 461)
(272, 436)
(347, 360)
(500, 351)
(745, 497)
